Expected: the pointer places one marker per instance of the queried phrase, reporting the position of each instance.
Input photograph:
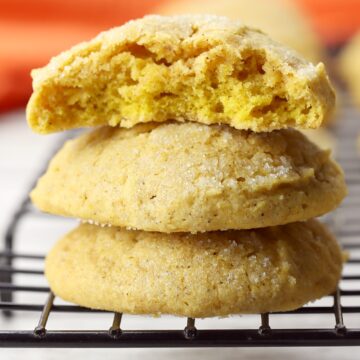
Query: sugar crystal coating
(211, 274)
(173, 177)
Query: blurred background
(32, 31)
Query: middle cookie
(190, 177)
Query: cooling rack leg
(40, 330)
(6, 277)
(190, 330)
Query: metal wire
(40, 330)
(115, 330)
(345, 223)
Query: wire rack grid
(345, 222)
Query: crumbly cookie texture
(199, 68)
(175, 177)
(212, 274)
(349, 67)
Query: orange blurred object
(334, 20)
(33, 31)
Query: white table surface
(21, 156)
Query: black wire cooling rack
(345, 222)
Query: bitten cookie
(206, 69)
(174, 177)
(203, 275)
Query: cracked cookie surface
(205, 69)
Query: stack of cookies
(196, 195)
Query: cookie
(205, 69)
(323, 138)
(349, 67)
(203, 275)
(174, 177)
(281, 19)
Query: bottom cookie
(208, 274)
